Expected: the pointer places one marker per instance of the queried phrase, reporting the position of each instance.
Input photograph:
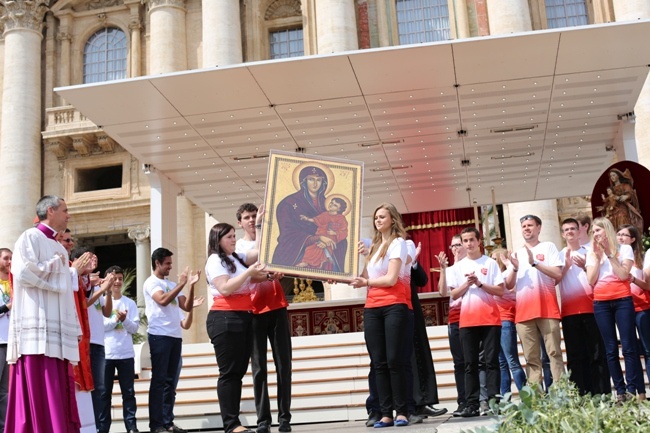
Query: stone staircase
(329, 382)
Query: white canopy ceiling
(531, 115)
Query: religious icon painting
(312, 216)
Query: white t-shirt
(606, 274)
(214, 268)
(396, 250)
(96, 319)
(243, 245)
(4, 317)
(162, 320)
(118, 342)
(646, 261)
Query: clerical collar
(47, 230)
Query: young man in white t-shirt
(163, 299)
(477, 280)
(119, 328)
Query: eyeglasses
(624, 235)
(452, 246)
(530, 217)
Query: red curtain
(435, 230)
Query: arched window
(105, 56)
(566, 13)
(422, 21)
(283, 19)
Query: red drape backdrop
(435, 230)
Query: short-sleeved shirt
(640, 297)
(267, 295)
(162, 320)
(506, 303)
(118, 340)
(384, 296)
(576, 294)
(608, 286)
(479, 307)
(238, 300)
(536, 296)
(96, 319)
(454, 304)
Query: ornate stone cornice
(59, 146)
(106, 143)
(283, 9)
(99, 4)
(23, 14)
(159, 3)
(82, 144)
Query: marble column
(140, 235)
(336, 23)
(222, 44)
(168, 46)
(508, 16)
(20, 133)
(136, 48)
(634, 10)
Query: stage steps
(329, 382)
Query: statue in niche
(621, 204)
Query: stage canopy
(533, 116)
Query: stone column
(222, 43)
(462, 19)
(20, 133)
(336, 26)
(634, 10)
(508, 16)
(136, 48)
(140, 235)
(168, 47)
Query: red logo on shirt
(540, 257)
(484, 271)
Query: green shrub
(563, 410)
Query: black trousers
(384, 330)
(231, 334)
(453, 331)
(471, 339)
(274, 326)
(585, 354)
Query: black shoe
(134, 431)
(415, 419)
(373, 417)
(263, 428)
(470, 411)
(284, 427)
(159, 430)
(431, 411)
(176, 429)
(459, 410)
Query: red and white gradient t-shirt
(454, 304)
(640, 297)
(536, 296)
(576, 293)
(507, 302)
(384, 296)
(609, 286)
(479, 307)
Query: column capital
(135, 25)
(24, 14)
(139, 234)
(160, 3)
(64, 36)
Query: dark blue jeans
(97, 358)
(165, 360)
(643, 328)
(384, 331)
(610, 315)
(509, 358)
(125, 375)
